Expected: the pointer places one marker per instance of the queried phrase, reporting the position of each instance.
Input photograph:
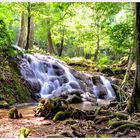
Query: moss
(69, 121)
(91, 136)
(13, 113)
(130, 106)
(61, 115)
(112, 120)
(24, 132)
(55, 109)
(12, 86)
(97, 111)
(104, 136)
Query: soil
(9, 128)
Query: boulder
(34, 85)
(75, 99)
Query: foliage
(111, 25)
(3, 34)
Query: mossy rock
(12, 86)
(4, 104)
(13, 113)
(60, 115)
(24, 132)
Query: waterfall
(53, 77)
(107, 84)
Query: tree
(31, 36)
(60, 45)
(28, 27)
(102, 12)
(132, 49)
(136, 92)
(21, 40)
(50, 43)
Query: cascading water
(107, 84)
(53, 78)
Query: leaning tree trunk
(28, 28)
(130, 62)
(136, 92)
(21, 39)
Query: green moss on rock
(12, 86)
(24, 132)
(13, 113)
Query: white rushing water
(107, 84)
(54, 76)
(43, 71)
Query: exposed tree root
(126, 131)
(100, 119)
(125, 126)
(123, 122)
(121, 115)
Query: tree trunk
(130, 62)
(31, 35)
(98, 45)
(50, 44)
(28, 29)
(60, 45)
(136, 92)
(21, 39)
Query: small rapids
(49, 77)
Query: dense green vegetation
(103, 32)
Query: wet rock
(25, 68)
(96, 80)
(34, 85)
(102, 93)
(64, 95)
(76, 92)
(59, 72)
(89, 97)
(75, 99)
(36, 96)
(63, 79)
(74, 85)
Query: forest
(69, 69)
